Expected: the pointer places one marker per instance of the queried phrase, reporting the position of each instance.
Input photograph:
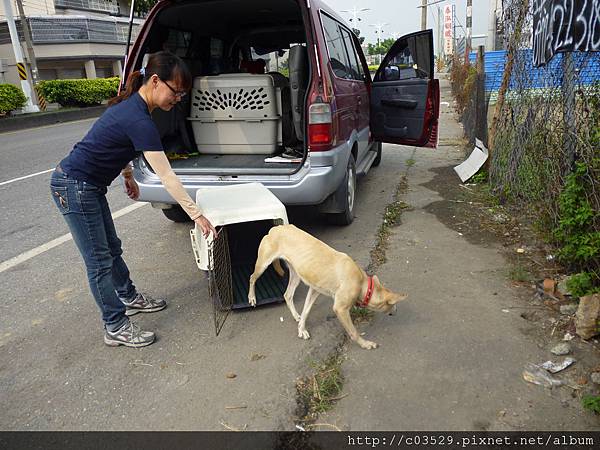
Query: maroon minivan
(282, 95)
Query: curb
(48, 118)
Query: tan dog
(325, 271)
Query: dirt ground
(470, 210)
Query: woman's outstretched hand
(206, 227)
(131, 188)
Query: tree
(381, 49)
(361, 39)
(142, 7)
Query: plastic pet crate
(243, 215)
(236, 114)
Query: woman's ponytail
(134, 83)
(165, 65)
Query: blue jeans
(87, 214)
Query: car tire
(176, 214)
(347, 191)
(377, 159)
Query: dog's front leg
(343, 314)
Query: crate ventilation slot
(243, 99)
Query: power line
(434, 19)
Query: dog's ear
(376, 280)
(394, 298)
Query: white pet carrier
(236, 114)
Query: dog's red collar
(368, 294)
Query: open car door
(405, 98)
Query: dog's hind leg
(289, 292)
(311, 296)
(266, 255)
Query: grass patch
(591, 403)
(410, 162)
(318, 392)
(361, 314)
(391, 217)
(518, 272)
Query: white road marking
(12, 262)
(26, 176)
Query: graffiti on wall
(564, 26)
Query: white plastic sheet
(473, 163)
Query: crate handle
(195, 245)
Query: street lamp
(354, 12)
(379, 32)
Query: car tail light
(320, 129)
(429, 136)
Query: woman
(79, 186)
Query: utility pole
(130, 27)
(16, 44)
(469, 28)
(490, 45)
(454, 37)
(440, 34)
(30, 52)
(423, 14)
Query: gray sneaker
(129, 335)
(143, 303)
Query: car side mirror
(391, 73)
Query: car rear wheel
(347, 191)
(176, 214)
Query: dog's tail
(278, 268)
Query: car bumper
(320, 176)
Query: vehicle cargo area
(250, 71)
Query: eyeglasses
(179, 94)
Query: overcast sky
(404, 17)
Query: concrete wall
(67, 60)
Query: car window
(337, 50)
(409, 59)
(353, 57)
(178, 42)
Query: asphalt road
(27, 218)
(53, 363)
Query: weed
(480, 177)
(577, 232)
(361, 314)
(391, 217)
(519, 273)
(591, 403)
(320, 390)
(581, 284)
(410, 162)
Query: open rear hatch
(244, 57)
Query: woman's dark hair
(166, 65)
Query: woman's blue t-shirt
(118, 136)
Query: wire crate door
(219, 279)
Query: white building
(71, 38)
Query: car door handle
(400, 103)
